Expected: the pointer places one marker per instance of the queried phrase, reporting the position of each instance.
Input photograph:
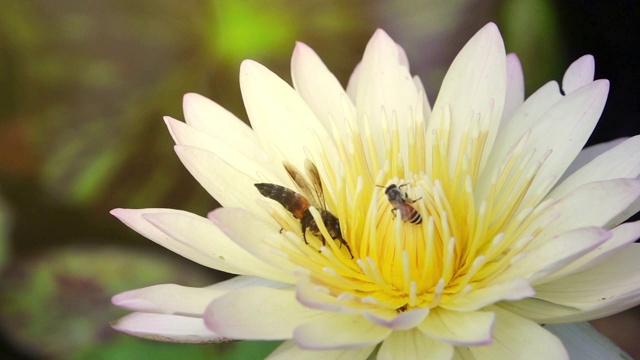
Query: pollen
(468, 233)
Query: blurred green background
(84, 86)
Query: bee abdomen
(295, 203)
(415, 217)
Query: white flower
(512, 236)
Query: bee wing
(312, 190)
(299, 179)
(316, 182)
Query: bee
(298, 205)
(401, 202)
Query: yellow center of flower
(462, 241)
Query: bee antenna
(381, 186)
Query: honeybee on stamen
(401, 202)
(298, 205)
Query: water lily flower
(517, 227)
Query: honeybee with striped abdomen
(298, 205)
(401, 202)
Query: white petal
(202, 235)
(618, 161)
(211, 118)
(478, 298)
(622, 236)
(614, 281)
(254, 235)
(339, 332)
(579, 74)
(211, 127)
(564, 129)
(223, 180)
(475, 83)
(134, 219)
(290, 351)
(609, 288)
(384, 84)
(583, 341)
(352, 85)
(315, 297)
(232, 151)
(512, 130)
(168, 299)
(284, 123)
(586, 156)
(170, 328)
(538, 263)
(518, 338)
(403, 321)
(258, 314)
(459, 328)
(515, 87)
(413, 344)
(240, 282)
(320, 88)
(426, 107)
(602, 204)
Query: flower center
(422, 228)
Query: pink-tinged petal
(211, 118)
(475, 83)
(256, 162)
(536, 264)
(609, 288)
(469, 328)
(602, 204)
(339, 332)
(240, 282)
(579, 74)
(320, 89)
(606, 161)
(385, 86)
(424, 102)
(553, 122)
(512, 130)
(316, 297)
(203, 235)
(168, 299)
(583, 341)
(403, 321)
(515, 337)
(258, 314)
(478, 298)
(515, 87)
(223, 180)
(352, 85)
(563, 129)
(542, 312)
(587, 155)
(169, 328)
(225, 128)
(622, 236)
(283, 122)
(254, 235)
(413, 344)
(134, 219)
(614, 281)
(290, 351)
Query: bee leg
(342, 241)
(414, 200)
(304, 234)
(393, 211)
(281, 230)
